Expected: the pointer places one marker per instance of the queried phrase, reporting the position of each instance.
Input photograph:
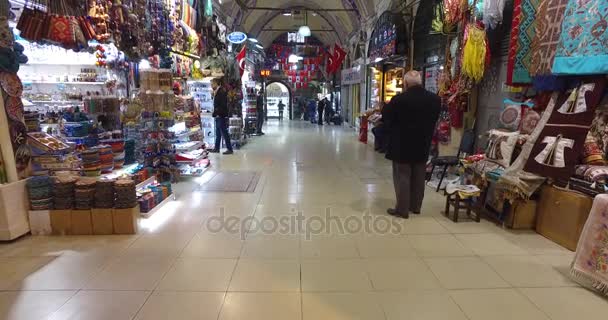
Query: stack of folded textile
(40, 193)
(63, 192)
(84, 193)
(91, 164)
(126, 196)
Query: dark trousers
(321, 117)
(221, 130)
(260, 122)
(380, 138)
(409, 180)
(280, 114)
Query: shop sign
(389, 37)
(237, 37)
(352, 75)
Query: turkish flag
(339, 56)
(329, 67)
(240, 58)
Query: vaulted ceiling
(331, 21)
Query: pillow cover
(529, 121)
(510, 117)
(500, 147)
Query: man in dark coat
(320, 110)
(410, 119)
(259, 105)
(221, 114)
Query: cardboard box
(40, 222)
(81, 222)
(61, 222)
(125, 220)
(102, 221)
(522, 215)
(561, 215)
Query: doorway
(278, 93)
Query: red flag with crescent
(240, 58)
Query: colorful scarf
(513, 45)
(548, 28)
(527, 32)
(583, 45)
(590, 265)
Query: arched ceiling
(332, 21)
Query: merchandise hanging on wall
(583, 44)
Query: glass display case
(375, 87)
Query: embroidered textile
(548, 29)
(590, 265)
(561, 143)
(513, 45)
(529, 121)
(510, 117)
(501, 146)
(583, 45)
(527, 32)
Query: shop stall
(104, 120)
(544, 164)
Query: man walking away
(320, 110)
(220, 113)
(281, 108)
(259, 105)
(329, 111)
(410, 119)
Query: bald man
(410, 119)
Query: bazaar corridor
(229, 255)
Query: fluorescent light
(287, 13)
(304, 31)
(259, 46)
(254, 40)
(378, 60)
(293, 58)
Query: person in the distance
(221, 114)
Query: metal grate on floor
(233, 181)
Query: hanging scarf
(583, 44)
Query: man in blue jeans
(220, 113)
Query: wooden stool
(459, 203)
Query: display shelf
(145, 182)
(50, 101)
(203, 156)
(148, 214)
(65, 82)
(195, 146)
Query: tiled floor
(244, 256)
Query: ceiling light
(287, 13)
(293, 58)
(304, 31)
(254, 40)
(259, 46)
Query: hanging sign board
(389, 37)
(351, 76)
(237, 37)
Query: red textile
(513, 41)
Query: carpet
(590, 265)
(233, 181)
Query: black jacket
(220, 104)
(410, 118)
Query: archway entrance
(278, 92)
